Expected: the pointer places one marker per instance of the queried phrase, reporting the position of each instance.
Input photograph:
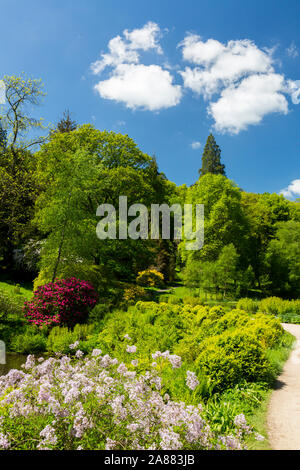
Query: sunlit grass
(19, 290)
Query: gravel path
(284, 406)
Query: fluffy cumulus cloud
(238, 80)
(221, 65)
(292, 191)
(242, 75)
(148, 87)
(145, 38)
(140, 86)
(248, 102)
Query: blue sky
(167, 73)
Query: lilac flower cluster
(174, 360)
(191, 380)
(96, 402)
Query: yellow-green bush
(60, 338)
(174, 300)
(270, 305)
(234, 319)
(278, 306)
(134, 293)
(249, 305)
(193, 301)
(194, 315)
(266, 329)
(150, 278)
(86, 272)
(216, 312)
(231, 357)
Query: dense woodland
(51, 186)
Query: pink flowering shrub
(97, 403)
(63, 302)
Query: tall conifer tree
(211, 158)
(66, 124)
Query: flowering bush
(97, 402)
(150, 278)
(64, 302)
(134, 293)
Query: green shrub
(193, 301)
(29, 343)
(216, 312)
(134, 293)
(232, 357)
(271, 305)
(60, 338)
(172, 300)
(150, 278)
(98, 313)
(10, 305)
(249, 305)
(277, 306)
(267, 330)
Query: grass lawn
(20, 290)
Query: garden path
(284, 407)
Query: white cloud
(140, 86)
(145, 38)
(221, 65)
(119, 52)
(248, 102)
(125, 50)
(292, 51)
(196, 145)
(2, 92)
(198, 52)
(243, 76)
(238, 79)
(293, 88)
(148, 87)
(292, 191)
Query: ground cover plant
(98, 403)
(174, 353)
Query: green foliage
(86, 168)
(18, 192)
(150, 278)
(11, 318)
(28, 343)
(98, 313)
(134, 293)
(21, 92)
(211, 158)
(10, 304)
(193, 301)
(60, 338)
(231, 357)
(287, 310)
(225, 347)
(249, 305)
(283, 259)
